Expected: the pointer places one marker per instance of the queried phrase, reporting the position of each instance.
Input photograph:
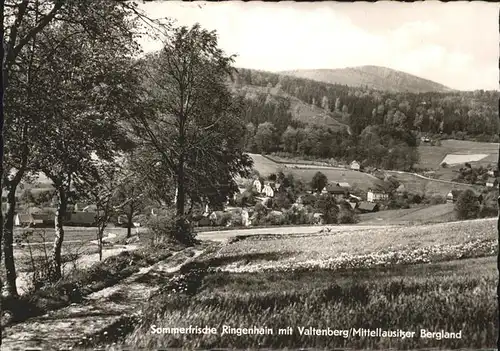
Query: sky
(455, 44)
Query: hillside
(374, 77)
(299, 110)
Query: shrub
(276, 218)
(327, 205)
(437, 200)
(167, 227)
(297, 216)
(467, 206)
(346, 217)
(444, 165)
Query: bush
(444, 165)
(327, 206)
(168, 227)
(297, 216)
(276, 218)
(467, 205)
(221, 219)
(347, 217)
(437, 200)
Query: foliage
(319, 182)
(327, 205)
(363, 298)
(467, 205)
(188, 120)
(163, 229)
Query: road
(306, 166)
(427, 178)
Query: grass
(360, 180)
(432, 156)
(418, 214)
(362, 242)
(427, 187)
(453, 296)
(71, 233)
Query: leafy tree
(86, 102)
(289, 140)
(467, 205)
(189, 120)
(264, 137)
(130, 199)
(327, 205)
(319, 182)
(30, 47)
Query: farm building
(344, 185)
(365, 207)
(337, 191)
(81, 219)
(268, 190)
(376, 195)
(257, 185)
(355, 166)
(491, 182)
(23, 220)
(34, 220)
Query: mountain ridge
(375, 77)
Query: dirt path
(65, 328)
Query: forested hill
(374, 77)
(456, 114)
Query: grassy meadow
(432, 156)
(418, 185)
(360, 180)
(419, 214)
(451, 288)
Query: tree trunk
(498, 231)
(180, 223)
(130, 217)
(8, 236)
(59, 234)
(3, 73)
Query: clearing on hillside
(431, 157)
(453, 159)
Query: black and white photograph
(249, 175)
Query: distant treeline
(381, 128)
(472, 115)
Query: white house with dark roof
(355, 166)
(376, 195)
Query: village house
(257, 185)
(376, 195)
(355, 166)
(268, 190)
(491, 182)
(337, 191)
(34, 220)
(344, 185)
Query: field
(418, 214)
(428, 187)
(356, 179)
(443, 278)
(72, 234)
(432, 156)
